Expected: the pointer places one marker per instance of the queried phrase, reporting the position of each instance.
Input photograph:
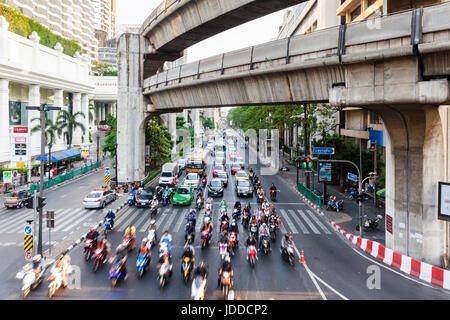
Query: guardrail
(310, 195)
(68, 176)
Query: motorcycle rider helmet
(37, 258)
(286, 236)
(264, 225)
(110, 211)
(91, 230)
(233, 223)
(207, 219)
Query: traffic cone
(302, 257)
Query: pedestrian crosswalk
(296, 221)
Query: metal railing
(62, 178)
(310, 195)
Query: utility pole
(98, 145)
(305, 110)
(375, 170)
(42, 109)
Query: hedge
(24, 26)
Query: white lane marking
(169, 221)
(316, 220)
(144, 216)
(123, 216)
(299, 222)
(180, 220)
(291, 225)
(146, 225)
(86, 215)
(65, 217)
(129, 221)
(13, 220)
(310, 224)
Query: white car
(99, 199)
(192, 179)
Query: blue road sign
(352, 177)
(106, 173)
(325, 150)
(28, 230)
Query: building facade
(105, 20)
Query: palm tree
(68, 122)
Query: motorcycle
(199, 203)
(265, 245)
(232, 241)
(128, 242)
(260, 198)
(186, 268)
(353, 195)
(204, 182)
(252, 255)
(223, 248)
(115, 273)
(108, 225)
(337, 206)
(224, 226)
(236, 213)
(99, 259)
(273, 231)
(152, 237)
(56, 280)
(190, 238)
(30, 279)
(223, 209)
(245, 220)
(370, 224)
(205, 238)
(273, 195)
(198, 288)
(165, 199)
(266, 214)
(153, 209)
(226, 283)
(131, 199)
(254, 230)
(208, 206)
(143, 262)
(88, 249)
(288, 254)
(164, 274)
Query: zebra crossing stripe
(180, 220)
(14, 222)
(316, 220)
(124, 216)
(147, 223)
(299, 222)
(310, 224)
(145, 215)
(288, 220)
(72, 216)
(126, 223)
(169, 221)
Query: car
(244, 188)
(144, 198)
(217, 168)
(233, 156)
(235, 167)
(223, 175)
(215, 188)
(192, 179)
(183, 196)
(181, 164)
(99, 198)
(241, 174)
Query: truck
(196, 162)
(17, 199)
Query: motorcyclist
(234, 228)
(273, 188)
(37, 265)
(199, 191)
(223, 238)
(190, 229)
(251, 241)
(131, 232)
(207, 226)
(110, 214)
(237, 205)
(225, 267)
(209, 201)
(155, 201)
(223, 218)
(223, 203)
(121, 257)
(285, 241)
(167, 193)
(191, 217)
(262, 233)
(247, 209)
(167, 238)
(189, 252)
(63, 263)
(265, 204)
(260, 192)
(105, 246)
(93, 235)
(201, 270)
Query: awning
(61, 155)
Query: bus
(196, 162)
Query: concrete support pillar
(34, 99)
(173, 128)
(77, 133)
(415, 163)
(85, 120)
(58, 102)
(4, 121)
(132, 116)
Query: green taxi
(183, 196)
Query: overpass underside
(400, 70)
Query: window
(355, 13)
(374, 118)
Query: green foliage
(160, 141)
(24, 26)
(103, 69)
(111, 136)
(22, 171)
(69, 123)
(51, 130)
(208, 123)
(90, 137)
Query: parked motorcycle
(198, 288)
(337, 206)
(288, 254)
(370, 224)
(99, 259)
(252, 256)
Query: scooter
(260, 198)
(337, 206)
(254, 230)
(128, 242)
(273, 195)
(223, 247)
(153, 209)
(88, 249)
(245, 220)
(265, 245)
(288, 254)
(186, 268)
(236, 213)
(165, 199)
(198, 288)
(199, 203)
(108, 225)
(273, 231)
(205, 238)
(204, 182)
(232, 242)
(56, 280)
(252, 256)
(143, 262)
(99, 259)
(226, 284)
(189, 238)
(369, 224)
(115, 273)
(152, 237)
(131, 199)
(30, 279)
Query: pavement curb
(418, 269)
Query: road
(334, 270)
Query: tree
(111, 137)
(69, 123)
(160, 141)
(51, 130)
(103, 69)
(209, 123)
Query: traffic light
(29, 203)
(308, 163)
(41, 202)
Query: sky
(252, 33)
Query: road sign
(324, 172)
(27, 242)
(7, 176)
(107, 179)
(352, 177)
(28, 230)
(28, 254)
(324, 150)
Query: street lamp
(117, 177)
(49, 159)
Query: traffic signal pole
(41, 177)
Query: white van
(169, 174)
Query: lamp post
(117, 177)
(98, 145)
(49, 159)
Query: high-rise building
(105, 22)
(71, 19)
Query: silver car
(99, 199)
(192, 179)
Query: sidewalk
(348, 218)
